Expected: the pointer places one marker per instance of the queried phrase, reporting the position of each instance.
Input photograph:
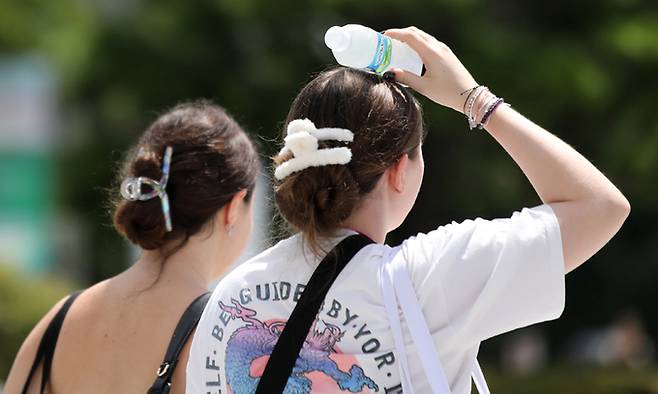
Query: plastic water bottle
(358, 46)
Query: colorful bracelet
(469, 112)
(470, 92)
(490, 111)
(479, 105)
(485, 103)
(471, 99)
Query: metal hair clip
(131, 188)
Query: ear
(232, 208)
(397, 173)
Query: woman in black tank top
(184, 199)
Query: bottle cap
(337, 39)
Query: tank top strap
(46, 349)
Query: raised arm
(589, 208)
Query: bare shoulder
(27, 352)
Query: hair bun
(323, 197)
(142, 222)
(147, 164)
(385, 123)
(333, 194)
(212, 160)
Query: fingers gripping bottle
(358, 46)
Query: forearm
(589, 207)
(556, 171)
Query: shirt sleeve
(483, 277)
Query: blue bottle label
(382, 58)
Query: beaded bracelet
(487, 101)
(469, 112)
(482, 110)
(470, 92)
(490, 111)
(471, 99)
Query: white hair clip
(302, 141)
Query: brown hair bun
(213, 158)
(387, 123)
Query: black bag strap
(186, 325)
(46, 349)
(290, 342)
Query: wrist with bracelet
(479, 105)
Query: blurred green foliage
(585, 70)
(23, 302)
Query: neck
(369, 219)
(194, 266)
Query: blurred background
(80, 80)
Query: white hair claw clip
(302, 141)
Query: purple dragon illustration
(257, 339)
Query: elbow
(623, 206)
(611, 209)
(618, 208)
(626, 207)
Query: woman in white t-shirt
(473, 280)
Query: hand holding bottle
(361, 47)
(445, 79)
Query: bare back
(114, 338)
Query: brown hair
(387, 123)
(213, 158)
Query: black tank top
(162, 384)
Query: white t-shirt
(474, 280)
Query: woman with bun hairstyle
(185, 202)
(352, 163)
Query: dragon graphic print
(242, 340)
(248, 347)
